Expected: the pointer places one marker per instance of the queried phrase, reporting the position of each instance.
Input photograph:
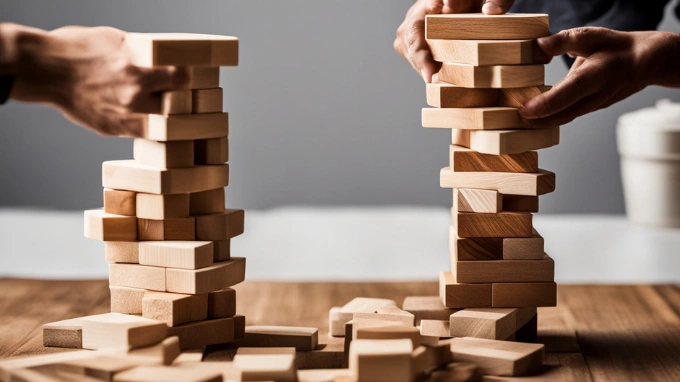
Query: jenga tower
(164, 223)
(499, 271)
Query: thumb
(497, 7)
(576, 42)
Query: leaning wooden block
(389, 333)
(470, 26)
(175, 309)
(137, 276)
(504, 271)
(442, 94)
(539, 183)
(207, 101)
(262, 367)
(199, 334)
(126, 300)
(108, 227)
(215, 277)
(517, 97)
(64, 334)
(220, 226)
(491, 323)
(115, 330)
(503, 224)
(211, 151)
(206, 202)
(467, 160)
(168, 374)
(434, 328)
(483, 52)
(368, 360)
(476, 200)
(176, 254)
(459, 296)
(166, 229)
(427, 308)
(474, 118)
(130, 175)
(222, 303)
(520, 203)
(519, 295)
(163, 353)
(176, 102)
(496, 76)
(174, 154)
(182, 127)
(222, 250)
(495, 248)
(121, 251)
(182, 49)
(301, 338)
(120, 202)
(159, 207)
(498, 142)
(499, 357)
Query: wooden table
(597, 333)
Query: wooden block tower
(164, 223)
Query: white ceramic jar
(648, 141)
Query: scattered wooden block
(239, 326)
(442, 94)
(498, 142)
(520, 203)
(206, 202)
(517, 97)
(476, 200)
(459, 296)
(160, 207)
(176, 102)
(457, 372)
(222, 250)
(389, 333)
(120, 202)
(174, 154)
(109, 227)
(126, 300)
(483, 52)
(329, 354)
(222, 303)
(434, 328)
(323, 375)
(336, 326)
(518, 295)
(163, 353)
(176, 254)
(538, 183)
(387, 314)
(215, 277)
(490, 323)
(166, 229)
(198, 334)
(427, 308)
(466, 160)
(471, 26)
(207, 101)
(496, 76)
(102, 366)
(368, 360)
(261, 367)
(503, 224)
(211, 151)
(495, 248)
(499, 357)
(339, 317)
(220, 226)
(301, 338)
(130, 175)
(182, 49)
(137, 276)
(64, 334)
(115, 330)
(504, 271)
(8, 367)
(183, 127)
(175, 309)
(474, 118)
(168, 373)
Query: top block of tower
(183, 49)
(477, 26)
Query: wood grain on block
(211, 151)
(434, 328)
(221, 250)
(520, 203)
(390, 333)
(203, 77)
(387, 314)
(496, 76)
(121, 251)
(477, 200)
(474, 118)
(358, 325)
(100, 225)
(126, 300)
(159, 207)
(64, 334)
(215, 277)
(130, 175)
(207, 101)
(363, 305)
(336, 326)
(499, 357)
(427, 308)
(115, 330)
(530, 184)
(517, 97)
(239, 326)
(176, 254)
(519, 295)
(490, 323)
(442, 94)
(220, 226)
(470, 26)
(459, 296)
(175, 309)
(206, 202)
(368, 360)
(174, 154)
(166, 229)
(504, 271)
(498, 142)
(467, 160)
(495, 248)
(483, 52)
(502, 224)
(182, 49)
(198, 334)
(525, 248)
(222, 303)
(301, 338)
(10, 367)
(163, 353)
(176, 102)
(137, 276)
(120, 202)
(100, 366)
(182, 127)
(264, 367)
(168, 373)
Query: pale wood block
(159, 207)
(519, 295)
(504, 271)
(182, 127)
(174, 154)
(361, 305)
(163, 353)
(175, 309)
(206, 202)
(47, 374)
(166, 229)
(502, 224)
(189, 357)
(329, 354)
(64, 334)
(389, 333)
(220, 226)
(301, 338)
(176, 102)
(517, 97)
(478, 26)
(10, 366)
(130, 175)
(207, 101)
(265, 367)
(336, 326)
(434, 328)
(477, 200)
(215, 277)
(355, 326)
(498, 142)
(203, 77)
(323, 375)
(137, 276)
(222, 303)
(199, 334)
(427, 308)
(459, 296)
(121, 251)
(496, 76)
(442, 94)
(115, 330)
(101, 366)
(211, 151)
(499, 357)
(109, 227)
(182, 49)
(491, 323)
(368, 360)
(483, 52)
(520, 203)
(463, 159)
(495, 248)
(176, 254)
(168, 373)
(222, 250)
(457, 372)
(531, 248)
(474, 118)
(265, 350)
(387, 314)
(120, 202)
(539, 183)
(126, 300)
(239, 326)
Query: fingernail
(492, 9)
(526, 111)
(424, 75)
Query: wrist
(9, 57)
(660, 58)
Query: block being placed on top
(473, 118)
(496, 76)
(218, 276)
(159, 207)
(166, 229)
(176, 254)
(175, 309)
(175, 154)
(120, 202)
(539, 183)
(211, 151)
(182, 127)
(300, 338)
(498, 142)
(463, 159)
(182, 49)
(115, 330)
(442, 94)
(478, 26)
(220, 226)
(483, 52)
(109, 227)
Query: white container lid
(650, 133)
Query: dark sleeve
(6, 83)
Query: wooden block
(517, 97)
(8, 367)
(496, 76)
(423, 361)
(182, 49)
(221, 250)
(121, 251)
(263, 367)
(475, 200)
(518, 295)
(47, 373)
(359, 305)
(215, 277)
(427, 308)
(166, 229)
(115, 330)
(203, 77)
(498, 142)
(64, 334)
(207, 101)
(211, 151)
(137, 276)
(220, 226)
(328, 355)
(336, 326)
(101, 366)
(495, 248)
(176, 102)
(435, 328)
(442, 94)
(499, 357)
(531, 248)
(323, 375)
(529, 332)
(222, 303)
(239, 326)
(389, 333)
(474, 118)
(504, 271)
(126, 300)
(471, 26)
(265, 350)
(175, 309)
(109, 227)
(457, 372)
(163, 353)
(483, 52)
(168, 373)
(520, 203)
(490, 323)
(387, 314)
(459, 296)
(368, 360)
(159, 207)
(301, 338)
(199, 334)
(174, 154)
(182, 127)
(176, 254)
(538, 183)
(466, 160)
(120, 202)
(206, 202)
(130, 175)
(503, 224)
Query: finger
(132, 126)
(497, 7)
(147, 104)
(583, 106)
(419, 52)
(164, 78)
(578, 41)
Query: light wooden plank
(64, 334)
(442, 94)
(539, 183)
(126, 300)
(495, 76)
(100, 225)
(504, 271)
(174, 154)
(115, 330)
(120, 202)
(470, 26)
(159, 207)
(175, 309)
(517, 97)
(483, 52)
(459, 296)
(477, 200)
(182, 49)
(121, 251)
(215, 277)
(503, 358)
(498, 142)
(176, 254)
(166, 229)
(137, 276)
(427, 308)
(368, 358)
(463, 159)
(490, 323)
(182, 127)
(474, 118)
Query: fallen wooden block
(121, 251)
(64, 334)
(520, 203)
(467, 160)
(329, 354)
(435, 328)
(262, 367)
(166, 229)
(199, 334)
(130, 175)
(175, 309)
(126, 300)
(168, 374)
(115, 330)
(218, 276)
(471, 26)
(389, 333)
(176, 254)
(539, 183)
(206, 202)
(495, 248)
(517, 97)
(323, 375)
(483, 52)
(459, 296)
(211, 151)
(491, 323)
(457, 372)
(163, 353)
(442, 94)
(504, 271)
(174, 154)
(137, 276)
(339, 317)
(220, 226)
(387, 314)
(498, 142)
(120, 202)
(502, 224)
(368, 360)
(427, 308)
(476, 200)
(207, 101)
(160, 207)
(222, 250)
(108, 227)
(474, 118)
(184, 127)
(301, 338)
(499, 357)
(222, 303)
(519, 295)
(496, 76)
(182, 49)
(176, 102)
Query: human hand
(610, 66)
(410, 41)
(87, 73)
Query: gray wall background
(322, 112)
